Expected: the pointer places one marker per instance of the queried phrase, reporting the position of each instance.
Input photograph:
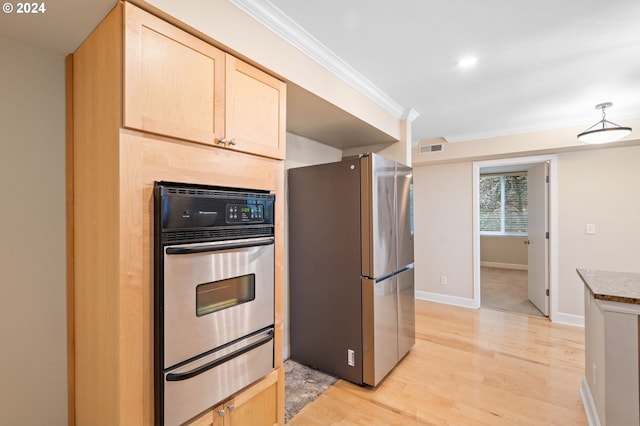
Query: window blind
(503, 204)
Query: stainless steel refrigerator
(351, 289)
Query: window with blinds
(503, 204)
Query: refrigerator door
(406, 312)
(404, 201)
(378, 216)
(379, 328)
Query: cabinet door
(220, 416)
(255, 110)
(173, 83)
(256, 406)
(205, 419)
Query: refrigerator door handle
(390, 275)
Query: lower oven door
(215, 293)
(193, 387)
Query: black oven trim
(163, 238)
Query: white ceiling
(542, 64)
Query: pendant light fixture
(608, 132)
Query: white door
(538, 242)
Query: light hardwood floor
(469, 367)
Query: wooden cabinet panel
(112, 171)
(256, 406)
(174, 82)
(180, 86)
(255, 110)
(205, 419)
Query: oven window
(218, 295)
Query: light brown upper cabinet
(174, 82)
(255, 110)
(179, 86)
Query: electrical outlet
(443, 280)
(351, 358)
(590, 229)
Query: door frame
(553, 223)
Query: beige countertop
(621, 287)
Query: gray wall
(32, 222)
(443, 197)
(598, 187)
(595, 186)
(504, 251)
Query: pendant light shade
(604, 130)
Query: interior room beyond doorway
(504, 266)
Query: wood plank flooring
(469, 367)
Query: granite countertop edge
(622, 287)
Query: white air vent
(425, 149)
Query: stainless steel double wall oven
(214, 295)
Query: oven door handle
(221, 246)
(175, 377)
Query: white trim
(553, 227)
(278, 22)
(505, 265)
(589, 404)
(569, 319)
(446, 299)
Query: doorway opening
(514, 264)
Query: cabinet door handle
(222, 141)
(231, 407)
(221, 412)
(232, 142)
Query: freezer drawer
(406, 312)
(379, 328)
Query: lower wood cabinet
(256, 405)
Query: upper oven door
(215, 293)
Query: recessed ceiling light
(468, 62)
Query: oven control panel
(245, 213)
(187, 213)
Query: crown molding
(275, 20)
(410, 114)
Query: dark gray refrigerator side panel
(404, 201)
(324, 268)
(380, 257)
(406, 312)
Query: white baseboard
(588, 404)
(569, 319)
(505, 265)
(444, 298)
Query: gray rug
(302, 385)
